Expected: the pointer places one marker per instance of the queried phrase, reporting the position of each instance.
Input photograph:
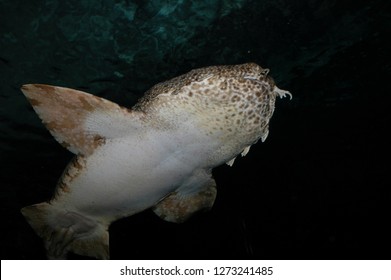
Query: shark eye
(260, 73)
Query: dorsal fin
(80, 121)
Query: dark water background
(318, 188)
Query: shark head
(232, 102)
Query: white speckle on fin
(245, 151)
(79, 121)
(231, 162)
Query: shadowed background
(318, 188)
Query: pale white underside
(140, 164)
(131, 173)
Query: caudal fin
(64, 232)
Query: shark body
(159, 154)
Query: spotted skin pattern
(232, 102)
(158, 154)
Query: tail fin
(64, 232)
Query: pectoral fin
(78, 120)
(180, 205)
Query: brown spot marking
(223, 85)
(78, 163)
(65, 144)
(63, 187)
(72, 171)
(85, 104)
(34, 102)
(99, 140)
(45, 88)
(190, 93)
(51, 125)
(235, 98)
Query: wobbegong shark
(157, 155)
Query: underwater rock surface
(317, 188)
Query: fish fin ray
(231, 162)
